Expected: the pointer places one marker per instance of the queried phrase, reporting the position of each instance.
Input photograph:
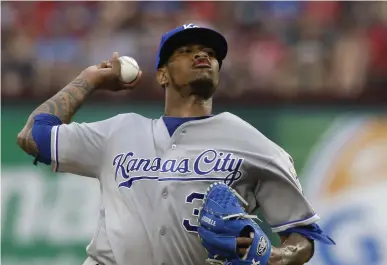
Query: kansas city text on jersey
(206, 163)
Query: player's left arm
(294, 249)
(290, 214)
(297, 244)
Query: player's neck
(188, 107)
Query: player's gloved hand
(106, 75)
(223, 224)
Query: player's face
(194, 67)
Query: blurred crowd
(286, 48)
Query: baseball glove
(222, 220)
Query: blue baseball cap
(190, 34)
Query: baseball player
(153, 173)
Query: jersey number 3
(188, 223)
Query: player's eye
(210, 52)
(184, 50)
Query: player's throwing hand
(106, 75)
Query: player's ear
(162, 77)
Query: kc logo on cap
(190, 26)
(187, 34)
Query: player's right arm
(62, 105)
(39, 136)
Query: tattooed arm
(295, 249)
(63, 105)
(67, 101)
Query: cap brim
(203, 36)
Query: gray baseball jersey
(152, 183)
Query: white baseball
(129, 69)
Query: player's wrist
(288, 255)
(91, 80)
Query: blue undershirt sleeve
(41, 133)
(312, 232)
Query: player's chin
(203, 86)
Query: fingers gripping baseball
(106, 75)
(120, 68)
(103, 64)
(116, 66)
(110, 70)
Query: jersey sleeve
(78, 148)
(280, 197)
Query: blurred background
(311, 76)
(289, 50)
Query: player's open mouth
(202, 63)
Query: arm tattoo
(64, 105)
(297, 249)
